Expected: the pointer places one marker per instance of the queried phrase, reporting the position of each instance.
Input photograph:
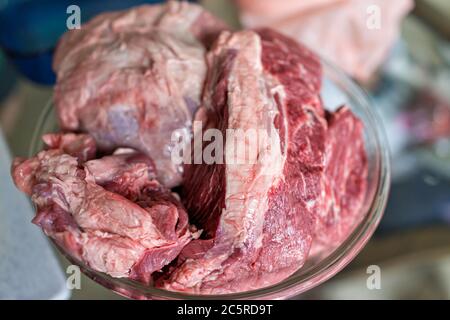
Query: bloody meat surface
(345, 182)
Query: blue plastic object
(7, 79)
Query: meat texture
(132, 78)
(257, 208)
(287, 177)
(110, 213)
(345, 182)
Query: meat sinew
(258, 214)
(127, 231)
(132, 78)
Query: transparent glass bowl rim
(295, 284)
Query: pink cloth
(343, 31)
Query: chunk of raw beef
(132, 78)
(345, 183)
(258, 214)
(110, 213)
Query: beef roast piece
(132, 78)
(110, 213)
(257, 208)
(345, 182)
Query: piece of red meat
(133, 78)
(258, 216)
(81, 206)
(345, 181)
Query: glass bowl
(338, 89)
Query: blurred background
(399, 51)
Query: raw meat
(133, 78)
(81, 146)
(128, 231)
(258, 216)
(287, 179)
(345, 183)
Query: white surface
(28, 266)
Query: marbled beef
(258, 216)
